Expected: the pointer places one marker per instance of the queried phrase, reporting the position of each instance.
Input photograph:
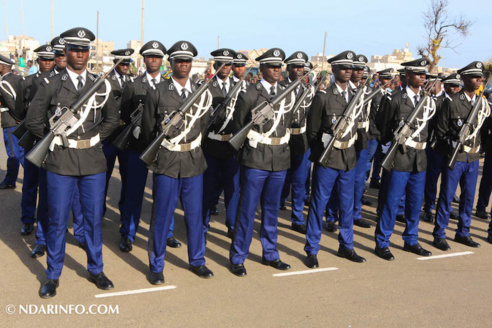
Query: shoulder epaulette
(46, 80)
(322, 91)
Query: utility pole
(324, 48)
(23, 31)
(97, 44)
(52, 26)
(141, 35)
(218, 42)
(6, 24)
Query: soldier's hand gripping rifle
(63, 120)
(172, 123)
(121, 142)
(404, 131)
(219, 113)
(466, 129)
(262, 114)
(373, 94)
(344, 123)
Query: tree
(442, 32)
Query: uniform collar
(268, 86)
(149, 78)
(178, 86)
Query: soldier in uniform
(485, 188)
(238, 66)
(435, 161)
(133, 95)
(12, 111)
(407, 176)
(454, 113)
(80, 164)
(299, 148)
(118, 79)
(180, 163)
(265, 159)
(338, 167)
(222, 167)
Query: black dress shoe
(238, 269)
(401, 218)
(48, 290)
(375, 185)
(126, 244)
(173, 243)
(277, 264)
(301, 228)
(214, 210)
(366, 202)
(350, 254)
(489, 238)
(26, 229)
(331, 226)
(416, 249)
(101, 281)
(156, 278)
(38, 251)
(5, 185)
(384, 253)
(363, 223)
(283, 207)
(482, 214)
(454, 216)
(441, 244)
(202, 271)
(427, 217)
(468, 241)
(311, 261)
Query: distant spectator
(208, 74)
(22, 63)
(16, 54)
(12, 57)
(32, 68)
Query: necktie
(224, 90)
(416, 100)
(154, 82)
(80, 85)
(183, 93)
(122, 77)
(272, 92)
(344, 95)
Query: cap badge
(61, 41)
(479, 65)
(127, 53)
(239, 56)
(458, 76)
(225, 53)
(350, 55)
(184, 46)
(299, 55)
(81, 33)
(423, 62)
(155, 45)
(361, 59)
(276, 53)
(48, 48)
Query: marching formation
(302, 135)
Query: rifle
(174, 122)
(373, 94)
(404, 132)
(218, 114)
(465, 131)
(63, 119)
(343, 122)
(261, 114)
(121, 142)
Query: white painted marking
(136, 291)
(443, 256)
(303, 272)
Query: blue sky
(367, 27)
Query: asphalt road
(408, 292)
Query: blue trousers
(376, 165)
(435, 165)
(257, 185)
(485, 184)
(29, 193)
(466, 174)
(372, 147)
(15, 155)
(412, 185)
(166, 192)
(61, 191)
(327, 181)
(383, 189)
(111, 152)
(134, 197)
(221, 174)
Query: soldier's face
(45, 65)
(123, 69)
(238, 71)
(224, 72)
(357, 75)
(384, 82)
(61, 61)
(415, 80)
(343, 75)
(451, 90)
(271, 74)
(472, 83)
(153, 63)
(181, 67)
(296, 72)
(77, 58)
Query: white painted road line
(303, 272)
(136, 291)
(443, 256)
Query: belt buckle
(275, 141)
(83, 144)
(296, 131)
(225, 137)
(186, 147)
